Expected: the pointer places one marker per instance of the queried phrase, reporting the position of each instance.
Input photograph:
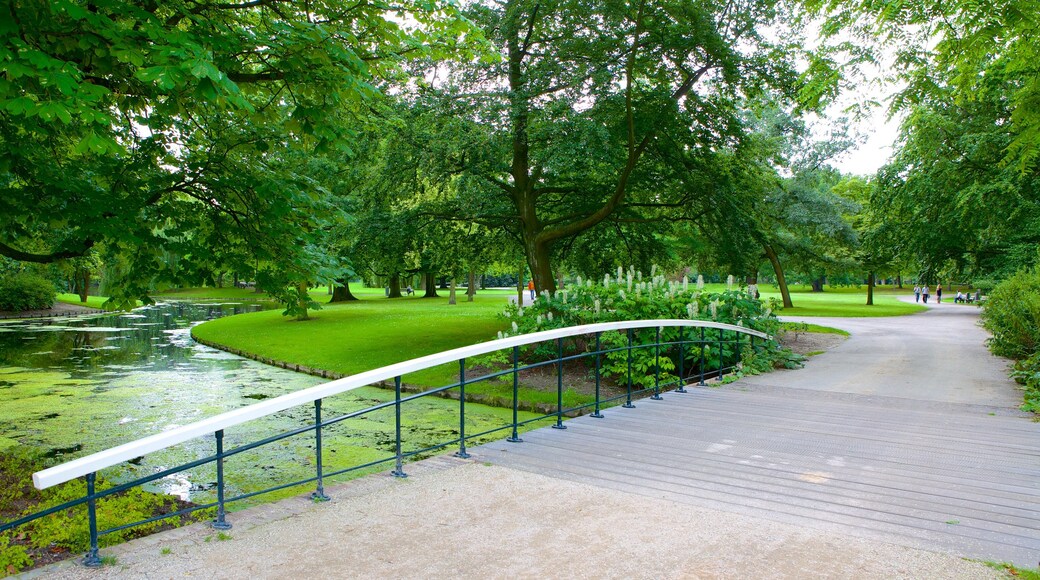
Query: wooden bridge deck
(945, 477)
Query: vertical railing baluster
(515, 438)
(462, 410)
(319, 493)
(92, 559)
(721, 352)
(559, 385)
(599, 363)
(399, 463)
(682, 362)
(657, 367)
(220, 523)
(628, 394)
(704, 345)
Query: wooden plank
(918, 475)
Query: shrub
(1012, 315)
(630, 297)
(67, 531)
(25, 292)
(1027, 372)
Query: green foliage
(629, 297)
(25, 292)
(1012, 315)
(179, 139)
(67, 530)
(12, 558)
(1027, 373)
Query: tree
(554, 138)
(942, 191)
(178, 126)
(946, 48)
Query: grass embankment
(353, 337)
(92, 301)
(814, 328)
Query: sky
(876, 150)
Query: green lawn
(370, 333)
(92, 301)
(844, 301)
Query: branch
(243, 77)
(21, 256)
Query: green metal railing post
(704, 345)
(628, 394)
(721, 352)
(399, 463)
(599, 362)
(220, 523)
(92, 559)
(515, 437)
(559, 385)
(657, 367)
(682, 362)
(462, 411)
(319, 493)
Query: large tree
(184, 126)
(555, 137)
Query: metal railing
(694, 337)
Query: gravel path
(459, 519)
(465, 519)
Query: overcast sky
(866, 159)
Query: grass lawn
(844, 301)
(370, 333)
(92, 301)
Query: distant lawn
(319, 295)
(844, 302)
(370, 333)
(92, 301)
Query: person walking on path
(924, 293)
(530, 288)
(938, 294)
(917, 293)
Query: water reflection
(74, 386)
(153, 337)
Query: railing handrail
(122, 453)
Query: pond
(74, 386)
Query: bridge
(787, 474)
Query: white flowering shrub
(629, 296)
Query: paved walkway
(895, 467)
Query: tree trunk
(781, 281)
(301, 289)
(235, 280)
(482, 282)
(471, 289)
(899, 281)
(520, 287)
(451, 293)
(341, 292)
(431, 286)
(444, 283)
(538, 255)
(220, 280)
(817, 285)
(84, 285)
(395, 286)
(870, 288)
